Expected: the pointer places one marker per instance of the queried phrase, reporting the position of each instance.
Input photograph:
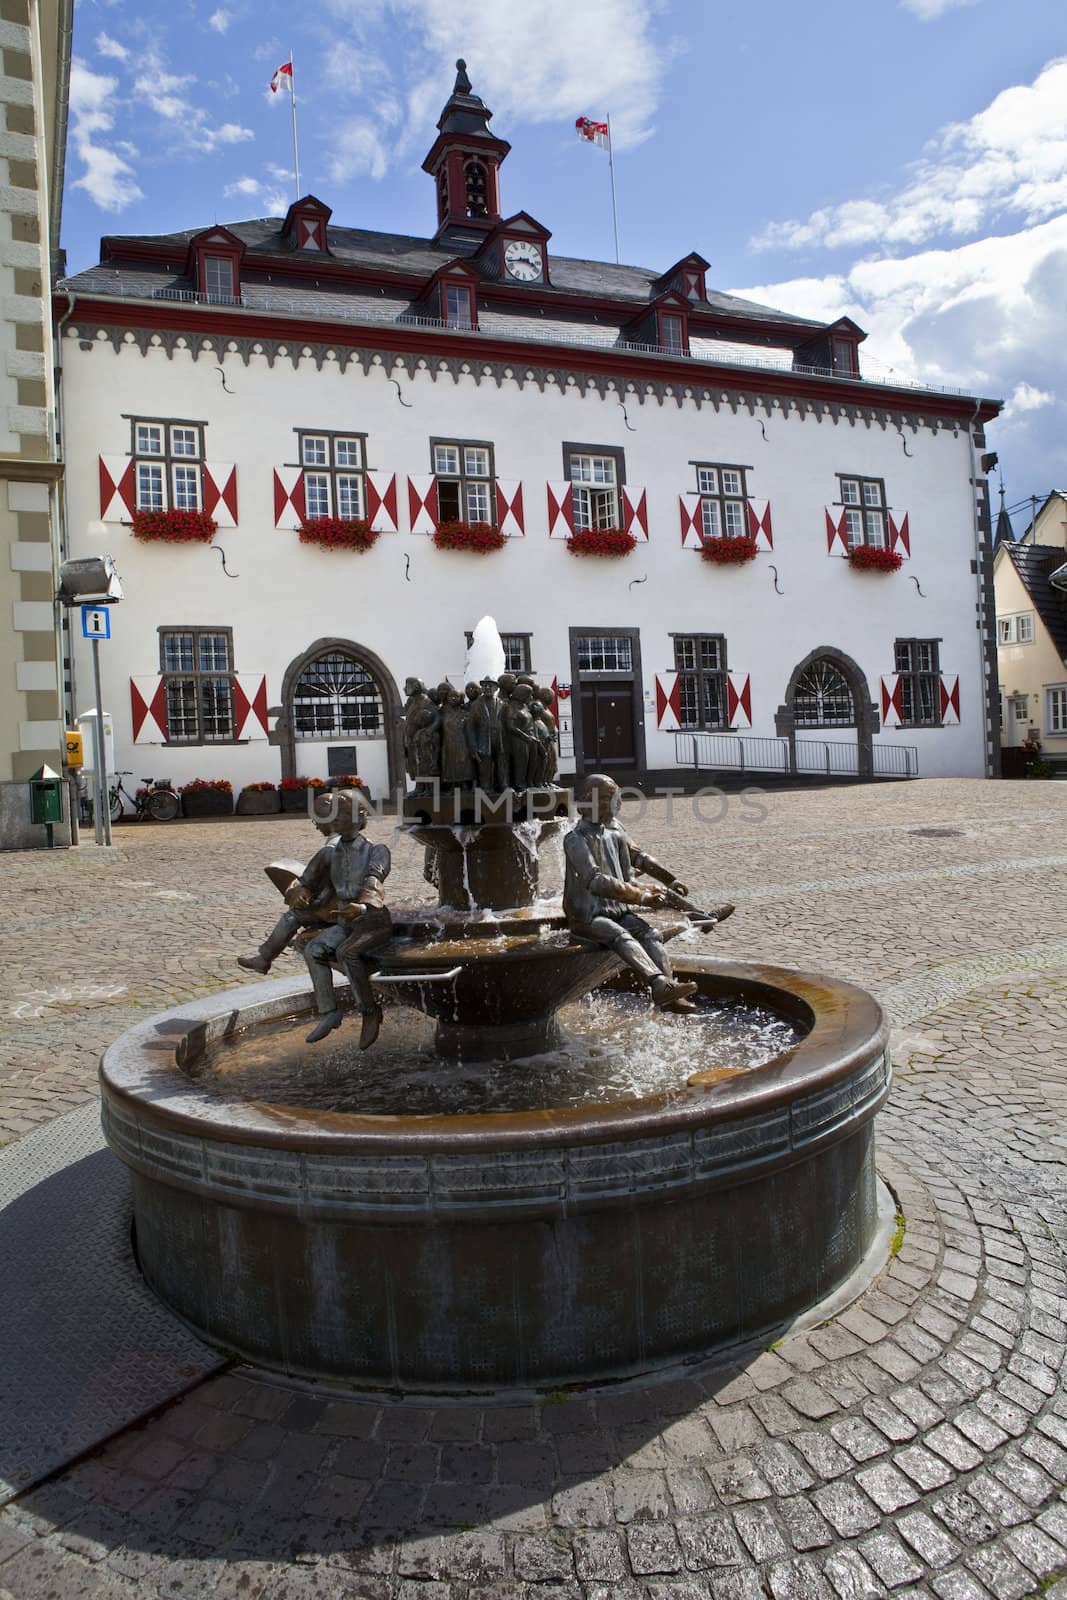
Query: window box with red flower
(338, 533)
(258, 800)
(207, 797)
(872, 558)
(294, 792)
(600, 542)
(479, 538)
(729, 552)
(173, 527)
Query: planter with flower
(173, 527)
(349, 780)
(871, 558)
(293, 793)
(600, 542)
(207, 797)
(729, 552)
(478, 538)
(258, 800)
(338, 533)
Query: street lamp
(93, 583)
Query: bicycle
(155, 800)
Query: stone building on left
(35, 38)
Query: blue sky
(901, 161)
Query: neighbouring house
(33, 97)
(1030, 585)
(728, 548)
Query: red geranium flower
(601, 542)
(477, 537)
(338, 533)
(729, 552)
(173, 527)
(869, 558)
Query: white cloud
(1009, 160)
(273, 201)
(357, 151)
(985, 317)
(106, 46)
(107, 179)
(548, 62)
(930, 10)
(220, 20)
(168, 95)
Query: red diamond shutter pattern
(288, 497)
(899, 534)
(759, 523)
(117, 489)
(635, 510)
(668, 702)
(836, 520)
(249, 706)
(892, 701)
(422, 504)
(560, 510)
(738, 700)
(509, 513)
(148, 708)
(220, 492)
(691, 524)
(382, 508)
(950, 700)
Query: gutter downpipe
(983, 627)
(64, 646)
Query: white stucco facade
(409, 604)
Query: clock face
(522, 260)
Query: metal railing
(313, 307)
(831, 758)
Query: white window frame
(185, 486)
(469, 467)
(151, 472)
(317, 486)
(723, 500)
(866, 511)
(161, 451)
(595, 495)
(1056, 692)
(1016, 628)
(214, 261)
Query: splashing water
(612, 1047)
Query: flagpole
(292, 96)
(614, 206)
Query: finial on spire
(463, 83)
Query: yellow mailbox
(75, 756)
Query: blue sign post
(96, 625)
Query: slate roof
(421, 258)
(1035, 563)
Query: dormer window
(305, 225)
(310, 233)
(693, 284)
(220, 286)
(458, 308)
(672, 333)
(845, 358)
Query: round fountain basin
(528, 1248)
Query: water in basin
(612, 1047)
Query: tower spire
(464, 162)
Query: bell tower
(464, 163)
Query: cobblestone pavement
(913, 1445)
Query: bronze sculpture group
(498, 734)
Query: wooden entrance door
(608, 726)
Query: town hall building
(727, 548)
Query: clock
(523, 260)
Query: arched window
(822, 698)
(337, 698)
(477, 190)
(442, 196)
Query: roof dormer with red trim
(213, 264)
(664, 324)
(835, 349)
(464, 162)
(451, 295)
(688, 278)
(306, 223)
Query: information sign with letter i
(96, 622)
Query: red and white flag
(284, 74)
(593, 132)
